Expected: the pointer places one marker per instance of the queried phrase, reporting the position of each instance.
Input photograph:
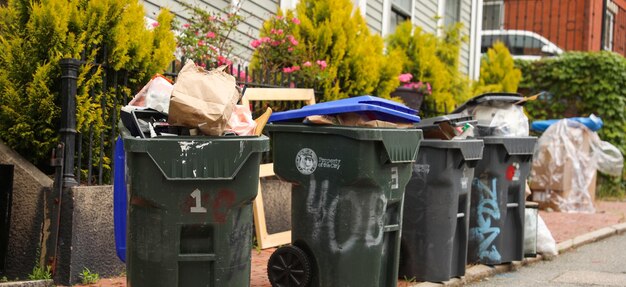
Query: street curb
(478, 272)
(37, 283)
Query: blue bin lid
(375, 107)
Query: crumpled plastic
(155, 95)
(564, 166)
(499, 119)
(241, 122)
(546, 245)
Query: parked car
(525, 45)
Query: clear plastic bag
(499, 119)
(565, 163)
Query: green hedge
(580, 84)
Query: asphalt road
(602, 263)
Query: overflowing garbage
(497, 114)
(565, 164)
(201, 102)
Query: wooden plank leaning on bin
(264, 239)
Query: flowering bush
(205, 39)
(279, 50)
(419, 86)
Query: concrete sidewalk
(569, 229)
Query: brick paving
(562, 225)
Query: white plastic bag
(546, 245)
(241, 121)
(499, 119)
(155, 95)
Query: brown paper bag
(203, 99)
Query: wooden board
(265, 239)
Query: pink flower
(293, 41)
(186, 25)
(306, 64)
(210, 35)
(405, 78)
(321, 63)
(295, 21)
(265, 39)
(287, 70)
(155, 24)
(275, 43)
(295, 68)
(255, 43)
(200, 43)
(290, 49)
(429, 88)
(212, 18)
(279, 17)
(276, 32)
(221, 60)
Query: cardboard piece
(203, 99)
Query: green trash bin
(497, 207)
(435, 222)
(347, 200)
(190, 209)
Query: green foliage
(40, 273)
(205, 39)
(433, 60)
(4, 279)
(88, 277)
(497, 72)
(581, 83)
(36, 35)
(334, 32)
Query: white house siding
(466, 19)
(374, 15)
(254, 13)
(424, 15)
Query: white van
(525, 45)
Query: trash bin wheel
(289, 266)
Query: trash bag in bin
(498, 114)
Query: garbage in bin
(190, 213)
(564, 169)
(436, 213)
(498, 202)
(447, 127)
(347, 196)
(498, 114)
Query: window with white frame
(452, 12)
(400, 12)
(609, 26)
(493, 15)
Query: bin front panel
(434, 230)
(347, 202)
(497, 204)
(186, 232)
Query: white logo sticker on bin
(306, 161)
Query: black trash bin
(436, 212)
(498, 200)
